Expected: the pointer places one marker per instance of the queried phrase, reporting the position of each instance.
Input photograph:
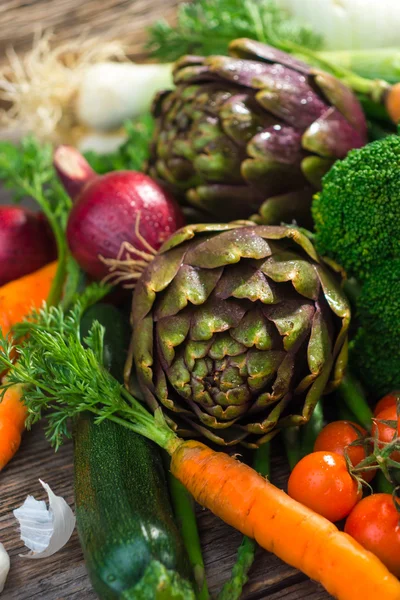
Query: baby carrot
(12, 423)
(20, 296)
(300, 537)
(17, 299)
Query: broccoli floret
(357, 213)
(375, 352)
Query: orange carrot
(20, 296)
(300, 537)
(17, 299)
(12, 423)
(392, 102)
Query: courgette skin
(123, 511)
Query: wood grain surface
(63, 576)
(125, 20)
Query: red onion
(121, 215)
(26, 243)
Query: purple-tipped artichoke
(237, 330)
(255, 131)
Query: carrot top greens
(61, 378)
(207, 26)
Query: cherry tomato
(374, 523)
(322, 482)
(337, 437)
(386, 433)
(387, 402)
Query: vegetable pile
(237, 333)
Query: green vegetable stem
(232, 589)
(185, 516)
(382, 484)
(351, 393)
(311, 430)
(291, 440)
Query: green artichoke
(237, 331)
(255, 131)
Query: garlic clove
(45, 530)
(4, 566)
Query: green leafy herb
(28, 170)
(207, 26)
(132, 154)
(61, 378)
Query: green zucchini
(130, 542)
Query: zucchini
(131, 545)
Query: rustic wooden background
(125, 20)
(63, 576)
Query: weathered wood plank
(126, 20)
(63, 576)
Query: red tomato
(374, 523)
(322, 482)
(387, 402)
(337, 437)
(386, 433)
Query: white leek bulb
(111, 93)
(350, 24)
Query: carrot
(13, 413)
(17, 299)
(20, 296)
(392, 102)
(300, 537)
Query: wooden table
(63, 576)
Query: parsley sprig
(207, 26)
(62, 375)
(27, 170)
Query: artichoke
(255, 131)
(237, 331)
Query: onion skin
(26, 243)
(106, 209)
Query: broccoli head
(375, 351)
(357, 213)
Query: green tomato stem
(311, 430)
(291, 440)
(232, 589)
(351, 393)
